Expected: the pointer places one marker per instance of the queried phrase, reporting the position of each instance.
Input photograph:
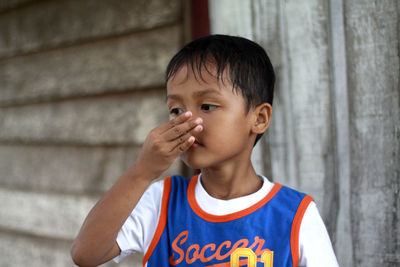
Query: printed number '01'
(266, 258)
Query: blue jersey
(265, 234)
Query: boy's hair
(247, 64)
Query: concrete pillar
(342, 238)
(372, 47)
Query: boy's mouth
(196, 143)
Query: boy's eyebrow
(177, 97)
(206, 92)
(196, 94)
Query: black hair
(249, 67)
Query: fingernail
(198, 128)
(188, 114)
(191, 139)
(198, 120)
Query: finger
(181, 129)
(181, 141)
(175, 121)
(182, 147)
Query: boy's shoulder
(292, 192)
(179, 179)
(163, 185)
(293, 199)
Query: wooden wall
(336, 121)
(81, 84)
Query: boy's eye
(175, 111)
(208, 107)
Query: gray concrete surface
(82, 83)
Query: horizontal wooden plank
(24, 250)
(68, 169)
(120, 119)
(8, 4)
(54, 23)
(118, 64)
(43, 214)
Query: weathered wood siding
(335, 128)
(81, 84)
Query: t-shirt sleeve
(138, 230)
(315, 245)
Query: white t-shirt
(315, 249)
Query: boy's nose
(197, 118)
(195, 114)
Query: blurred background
(82, 83)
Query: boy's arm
(315, 246)
(96, 241)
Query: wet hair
(246, 64)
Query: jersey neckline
(228, 217)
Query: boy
(219, 96)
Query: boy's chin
(193, 166)
(192, 163)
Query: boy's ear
(262, 118)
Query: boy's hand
(167, 142)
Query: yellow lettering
(268, 258)
(243, 252)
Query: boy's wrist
(140, 174)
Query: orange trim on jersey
(229, 217)
(294, 236)
(161, 222)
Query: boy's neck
(230, 181)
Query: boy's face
(226, 135)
